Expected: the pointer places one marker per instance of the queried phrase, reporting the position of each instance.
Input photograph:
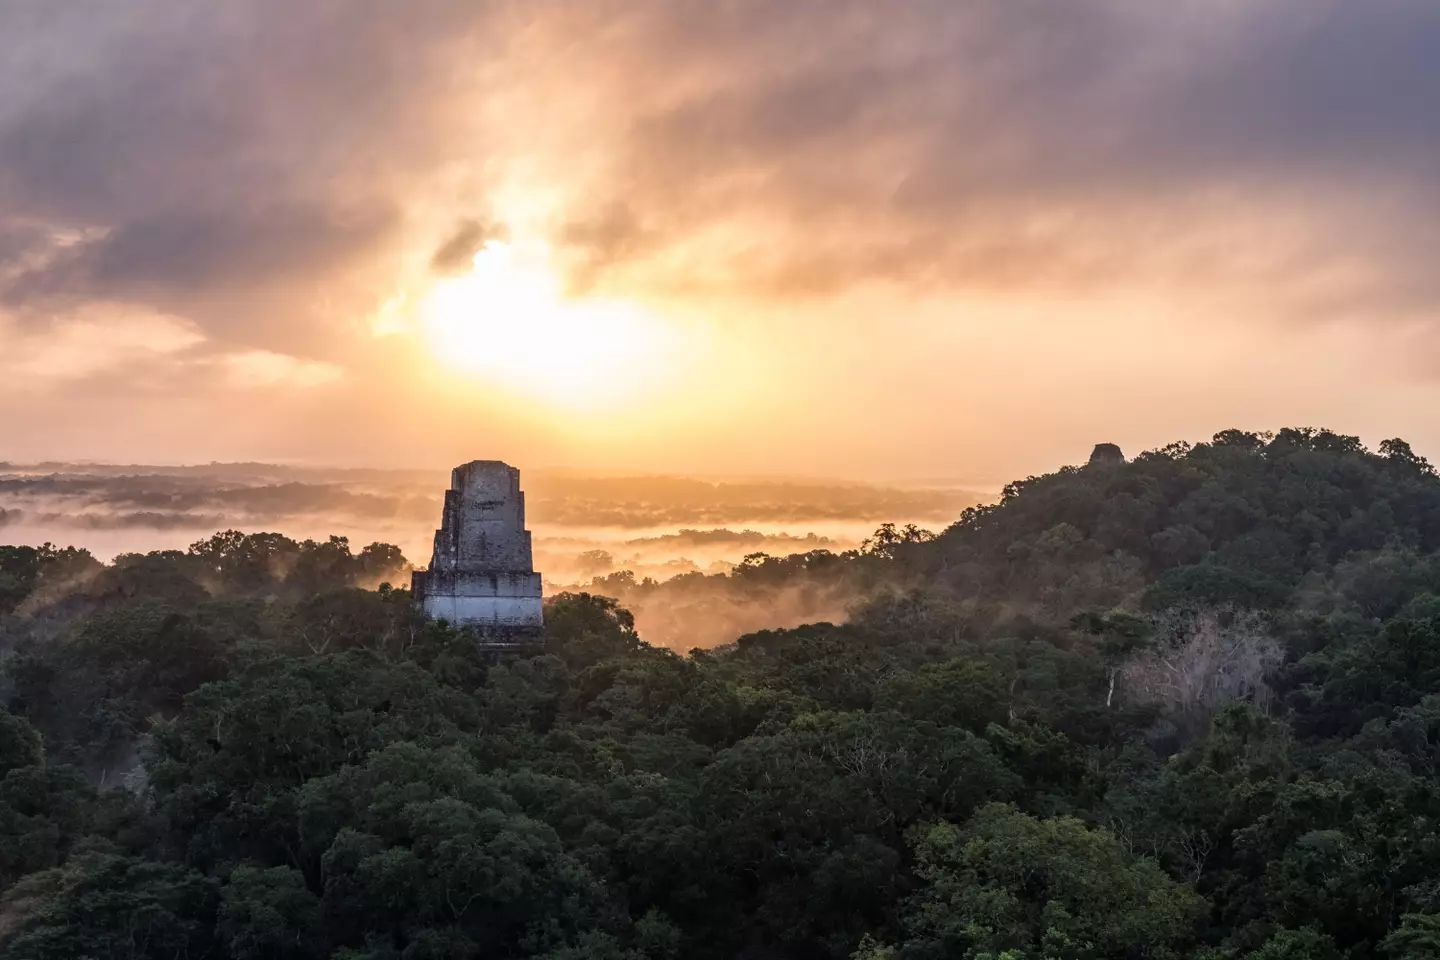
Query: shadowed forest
(1186, 706)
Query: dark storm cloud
(272, 149)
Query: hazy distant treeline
(97, 496)
(585, 526)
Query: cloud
(456, 253)
(982, 146)
(270, 176)
(182, 250)
(265, 368)
(925, 143)
(1033, 145)
(237, 165)
(92, 343)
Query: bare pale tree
(1199, 662)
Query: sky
(925, 238)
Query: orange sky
(832, 237)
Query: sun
(509, 321)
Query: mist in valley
(669, 548)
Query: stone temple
(482, 574)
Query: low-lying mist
(699, 611)
(667, 547)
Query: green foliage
(1010, 882)
(1239, 520)
(20, 745)
(45, 809)
(1417, 937)
(227, 770)
(957, 693)
(268, 914)
(584, 629)
(382, 622)
(1036, 739)
(36, 573)
(101, 905)
(1304, 944)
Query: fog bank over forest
(584, 525)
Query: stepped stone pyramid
(482, 574)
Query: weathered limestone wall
(481, 573)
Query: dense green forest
(1182, 706)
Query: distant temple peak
(1107, 453)
(481, 573)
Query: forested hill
(1301, 518)
(1182, 706)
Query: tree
(583, 629)
(1200, 662)
(332, 621)
(20, 745)
(38, 576)
(1048, 732)
(226, 772)
(102, 905)
(889, 541)
(1007, 881)
(43, 809)
(1306, 944)
(960, 692)
(1399, 451)
(1417, 938)
(245, 562)
(268, 914)
(594, 563)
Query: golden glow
(509, 321)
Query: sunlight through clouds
(509, 322)
(717, 229)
